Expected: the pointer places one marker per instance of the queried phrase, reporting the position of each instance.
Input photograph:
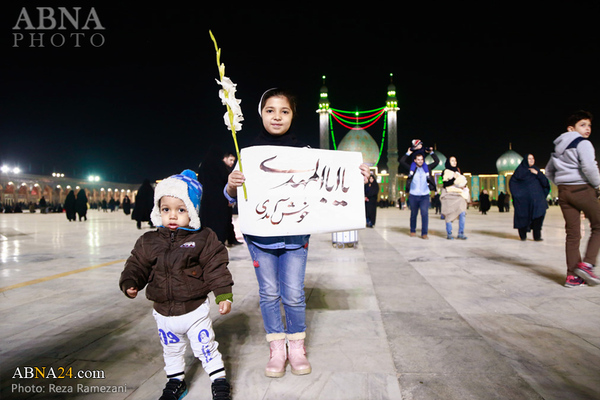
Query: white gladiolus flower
(227, 86)
(227, 96)
(237, 121)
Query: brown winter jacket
(179, 269)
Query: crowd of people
(529, 186)
(572, 167)
(73, 206)
(185, 258)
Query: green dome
(508, 162)
(360, 140)
(442, 165)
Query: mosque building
(359, 139)
(22, 188)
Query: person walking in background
(229, 160)
(419, 186)
(573, 168)
(507, 202)
(126, 205)
(484, 202)
(437, 203)
(371, 194)
(81, 204)
(70, 206)
(455, 197)
(500, 201)
(43, 205)
(216, 212)
(529, 187)
(144, 201)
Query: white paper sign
(294, 191)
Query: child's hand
(365, 171)
(224, 307)
(236, 179)
(132, 292)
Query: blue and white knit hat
(184, 186)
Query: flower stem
(230, 113)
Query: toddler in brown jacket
(179, 264)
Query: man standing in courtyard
(419, 185)
(573, 168)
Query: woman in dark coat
(126, 205)
(371, 193)
(500, 202)
(81, 205)
(144, 202)
(484, 202)
(70, 206)
(529, 188)
(215, 211)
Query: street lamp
(6, 169)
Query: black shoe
(175, 389)
(221, 389)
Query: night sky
(145, 104)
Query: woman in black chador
(126, 205)
(484, 202)
(81, 204)
(215, 211)
(70, 206)
(144, 201)
(371, 193)
(529, 188)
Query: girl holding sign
(280, 262)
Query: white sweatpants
(197, 327)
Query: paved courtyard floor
(394, 318)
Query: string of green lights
(357, 120)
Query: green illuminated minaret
(392, 135)
(324, 112)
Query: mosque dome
(508, 162)
(442, 165)
(360, 140)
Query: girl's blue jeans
(461, 225)
(280, 274)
